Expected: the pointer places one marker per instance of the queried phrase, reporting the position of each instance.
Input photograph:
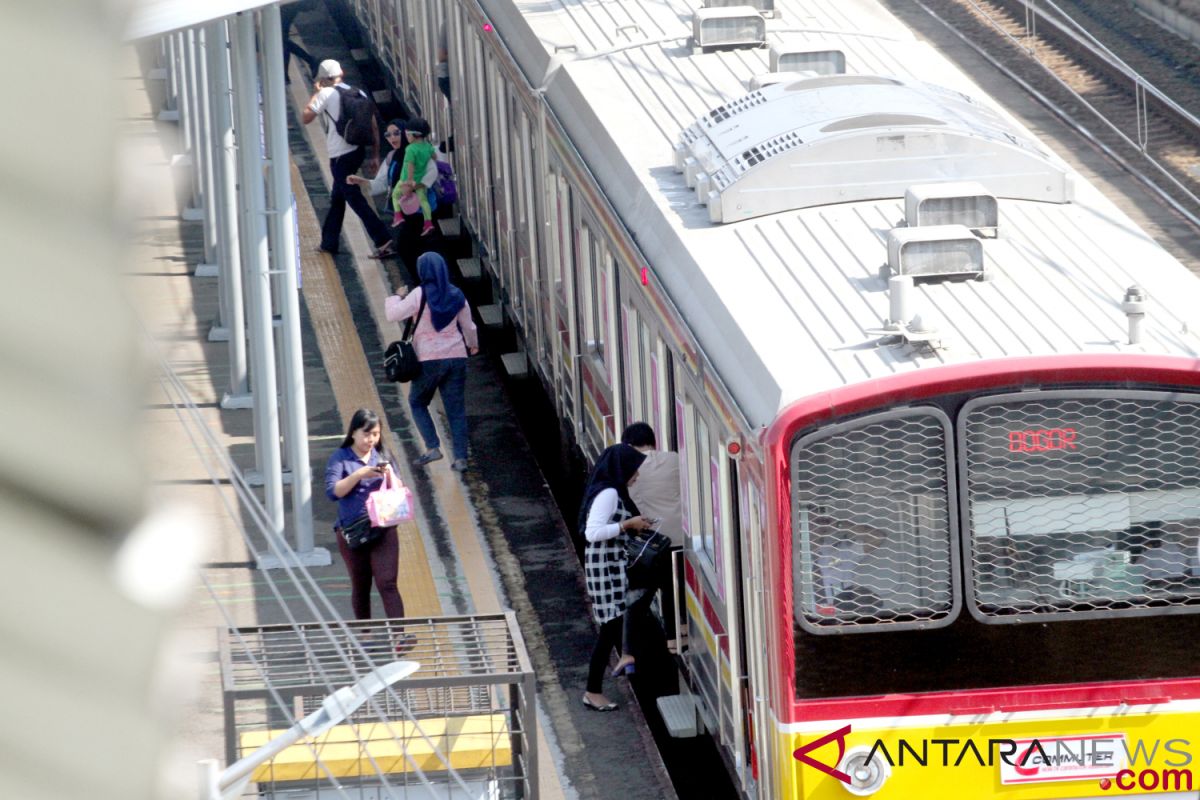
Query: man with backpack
(348, 118)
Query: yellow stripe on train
(1134, 754)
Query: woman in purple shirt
(353, 472)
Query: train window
(561, 195)
(873, 544)
(701, 468)
(597, 297)
(1081, 504)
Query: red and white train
(937, 398)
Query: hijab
(396, 156)
(443, 299)
(613, 470)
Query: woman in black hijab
(386, 176)
(605, 514)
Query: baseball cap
(329, 69)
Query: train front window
(874, 546)
(1081, 504)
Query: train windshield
(925, 533)
(1081, 504)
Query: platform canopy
(156, 17)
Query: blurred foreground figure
(80, 642)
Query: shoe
(427, 228)
(323, 249)
(459, 465)
(387, 251)
(624, 667)
(431, 455)
(404, 643)
(588, 704)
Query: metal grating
(1082, 504)
(465, 719)
(875, 545)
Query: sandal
(387, 251)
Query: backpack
(356, 122)
(444, 187)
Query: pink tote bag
(389, 504)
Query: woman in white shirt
(605, 514)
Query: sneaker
(431, 455)
(427, 228)
(459, 465)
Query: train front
(991, 582)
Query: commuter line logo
(801, 754)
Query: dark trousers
(609, 638)
(629, 621)
(342, 194)
(449, 376)
(290, 48)
(379, 561)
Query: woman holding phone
(354, 471)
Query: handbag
(389, 505)
(361, 533)
(644, 554)
(400, 362)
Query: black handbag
(361, 533)
(400, 363)
(645, 552)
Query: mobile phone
(381, 466)
(652, 521)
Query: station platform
(484, 542)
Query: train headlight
(867, 773)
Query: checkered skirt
(604, 572)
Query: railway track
(1122, 81)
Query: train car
(937, 399)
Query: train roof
(791, 303)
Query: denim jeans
(343, 193)
(449, 376)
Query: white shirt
(604, 505)
(326, 105)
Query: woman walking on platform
(445, 335)
(605, 514)
(354, 471)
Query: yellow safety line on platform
(354, 385)
(459, 519)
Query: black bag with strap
(400, 362)
(356, 121)
(644, 555)
(361, 533)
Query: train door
(430, 21)
(596, 282)
(478, 152)
(564, 339)
(710, 516)
(524, 237)
(518, 143)
(501, 191)
(647, 395)
(759, 733)
(387, 46)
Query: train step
(492, 315)
(516, 365)
(678, 712)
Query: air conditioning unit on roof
(732, 26)
(765, 7)
(822, 58)
(965, 203)
(934, 251)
